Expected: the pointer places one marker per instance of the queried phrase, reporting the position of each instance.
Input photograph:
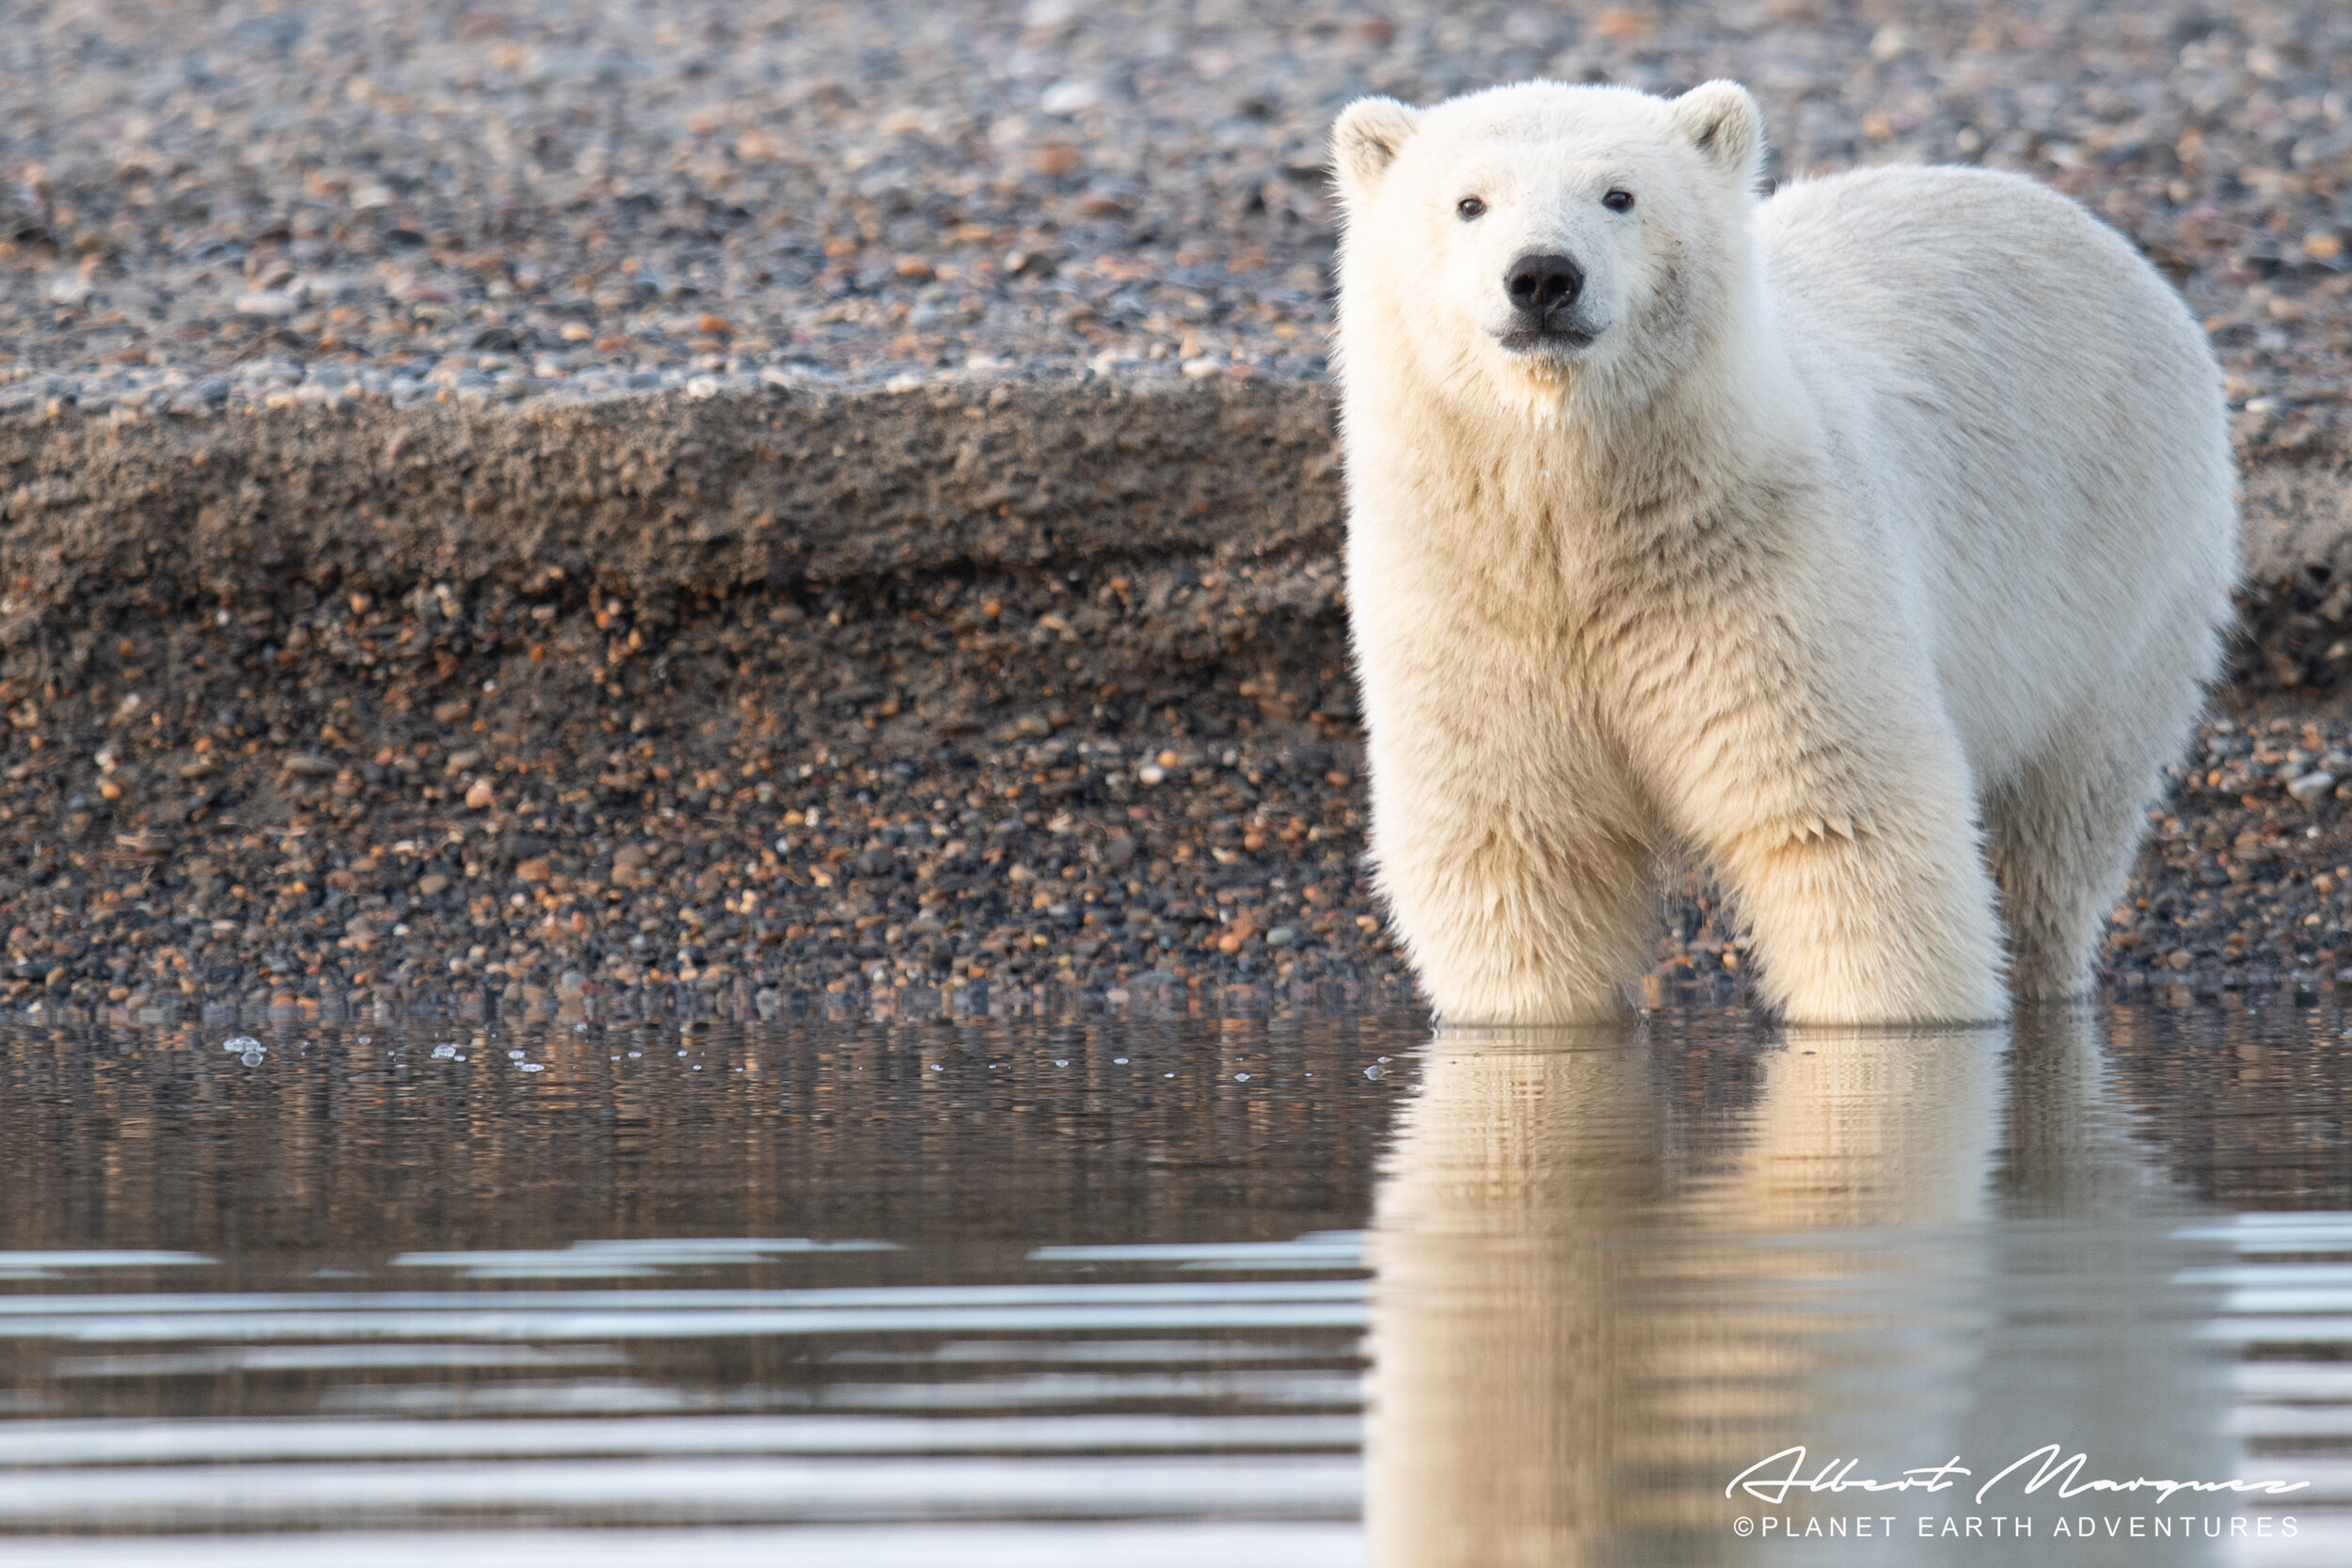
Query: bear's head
(1526, 240)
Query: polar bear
(1869, 543)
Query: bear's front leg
(1515, 898)
(1891, 923)
(1791, 728)
(1865, 894)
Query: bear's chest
(1530, 558)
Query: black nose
(1537, 283)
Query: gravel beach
(602, 513)
(1113, 787)
(506, 200)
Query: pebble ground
(494, 200)
(939, 793)
(920, 802)
(442, 803)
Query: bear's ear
(1366, 140)
(1724, 123)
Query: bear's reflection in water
(1596, 1304)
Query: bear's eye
(1467, 208)
(1618, 201)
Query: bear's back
(2017, 402)
(1916, 273)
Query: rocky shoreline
(387, 204)
(543, 507)
(1029, 693)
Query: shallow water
(1235, 1291)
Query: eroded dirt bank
(755, 701)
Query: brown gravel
(495, 801)
(277, 742)
(2247, 879)
(961, 794)
(490, 201)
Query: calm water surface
(1192, 1291)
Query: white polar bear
(1869, 543)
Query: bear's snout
(1541, 281)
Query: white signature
(1837, 1475)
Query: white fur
(1872, 552)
